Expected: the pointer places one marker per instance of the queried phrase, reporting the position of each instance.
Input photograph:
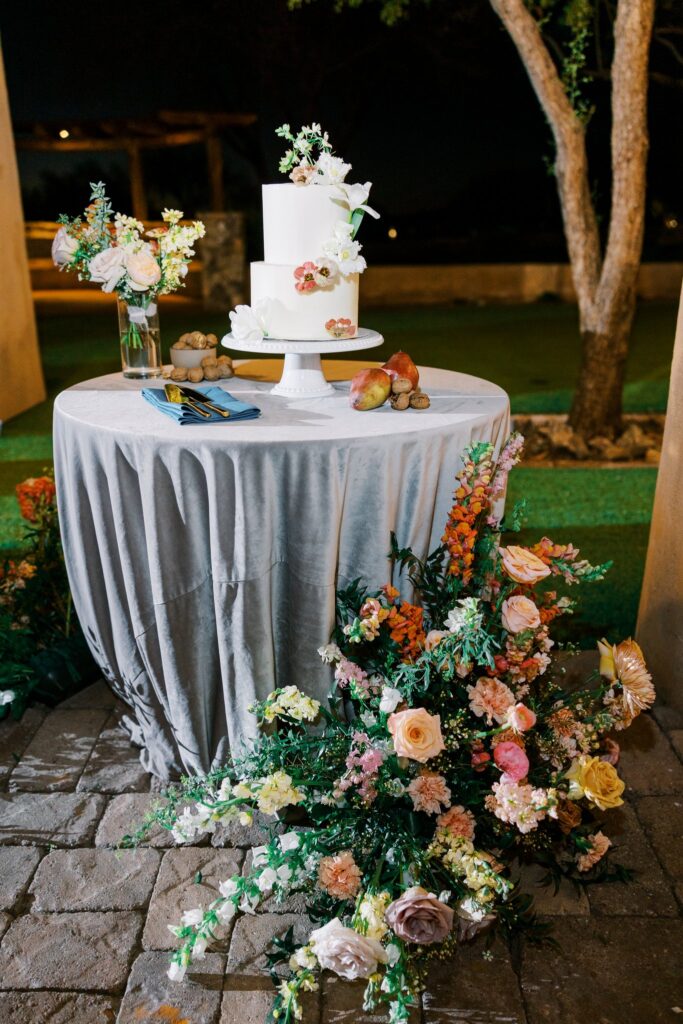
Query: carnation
(429, 793)
(491, 699)
(339, 875)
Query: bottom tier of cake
(314, 315)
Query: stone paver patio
(83, 928)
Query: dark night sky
(437, 112)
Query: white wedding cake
(306, 287)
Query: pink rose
(522, 565)
(520, 613)
(520, 718)
(418, 916)
(512, 761)
(417, 734)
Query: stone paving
(83, 934)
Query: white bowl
(190, 357)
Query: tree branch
(571, 167)
(632, 34)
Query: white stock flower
(329, 653)
(108, 267)
(228, 888)
(247, 323)
(225, 912)
(331, 170)
(63, 248)
(6, 697)
(176, 971)
(391, 698)
(267, 879)
(289, 841)
(357, 196)
(191, 918)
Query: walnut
(195, 374)
(400, 402)
(401, 386)
(212, 340)
(209, 360)
(186, 339)
(211, 372)
(225, 371)
(179, 344)
(198, 340)
(178, 373)
(224, 359)
(418, 400)
(166, 372)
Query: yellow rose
(596, 780)
(417, 734)
(522, 565)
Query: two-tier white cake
(306, 287)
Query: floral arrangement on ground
(451, 750)
(43, 654)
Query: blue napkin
(183, 414)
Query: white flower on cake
(248, 323)
(108, 267)
(331, 170)
(344, 250)
(357, 196)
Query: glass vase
(140, 338)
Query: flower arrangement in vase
(114, 253)
(451, 750)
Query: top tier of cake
(297, 221)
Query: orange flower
(35, 496)
(407, 629)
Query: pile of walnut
(211, 367)
(404, 395)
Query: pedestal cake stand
(302, 374)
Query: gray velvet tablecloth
(203, 559)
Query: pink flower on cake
(305, 277)
(512, 760)
(491, 699)
(303, 174)
(429, 793)
(458, 822)
(340, 328)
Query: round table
(203, 560)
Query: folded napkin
(184, 413)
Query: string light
(392, 233)
(64, 134)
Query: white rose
(391, 698)
(63, 248)
(345, 952)
(143, 270)
(108, 267)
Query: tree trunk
(605, 289)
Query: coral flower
(305, 277)
(339, 875)
(34, 496)
(458, 822)
(429, 793)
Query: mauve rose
(512, 760)
(522, 565)
(143, 271)
(345, 952)
(418, 916)
(63, 248)
(519, 613)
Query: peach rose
(416, 733)
(143, 271)
(522, 565)
(520, 613)
(434, 638)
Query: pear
(369, 389)
(401, 365)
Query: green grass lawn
(532, 351)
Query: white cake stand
(302, 374)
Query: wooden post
(214, 159)
(22, 383)
(660, 618)
(137, 184)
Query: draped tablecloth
(203, 559)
